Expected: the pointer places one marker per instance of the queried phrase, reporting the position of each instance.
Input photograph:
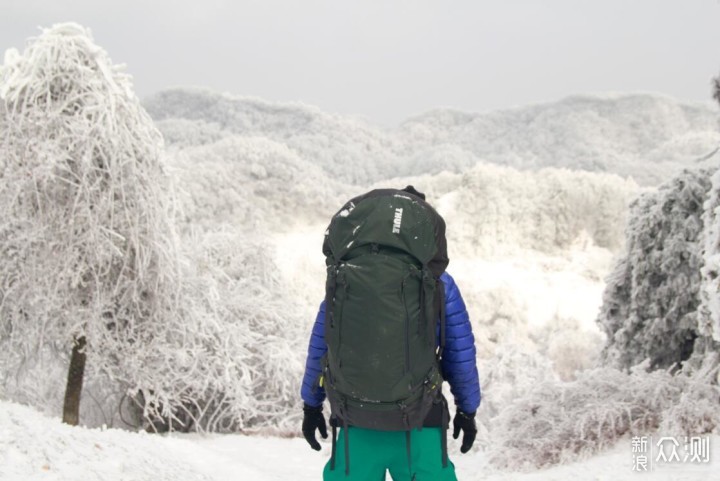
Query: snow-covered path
(34, 447)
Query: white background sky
(387, 60)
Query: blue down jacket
(458, 364)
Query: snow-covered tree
(498, 208)
(710, 312)
(650, 305)
(198, 336)
(710, 294)
(239, 181)
(88, 259)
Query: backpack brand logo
(397, 221)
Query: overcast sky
(387, 60)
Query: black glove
(313, 419)
(466, 422)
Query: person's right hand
(313, 419)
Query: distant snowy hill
(346, 148)
(647, 136)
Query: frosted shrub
(569, 347)
(509, 374)
(499, 208)
(255, 343)
(501, 318)
(697, 412)
(554, 421)
(242, 181)
(561, 421)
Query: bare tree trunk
(76, 372)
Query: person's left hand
(466, 423)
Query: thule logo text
(397, 221)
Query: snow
(531, 237)
(401, 196)
(36, 447)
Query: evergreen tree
(710, 295)
(650, 305)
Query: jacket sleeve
(459, 362)
(312, 394)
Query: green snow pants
(373, 452)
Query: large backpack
(385, 251)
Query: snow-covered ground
(35, 447)
(532, 238)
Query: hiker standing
(393, 326)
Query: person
(419, 454)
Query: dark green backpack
(385, 252)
